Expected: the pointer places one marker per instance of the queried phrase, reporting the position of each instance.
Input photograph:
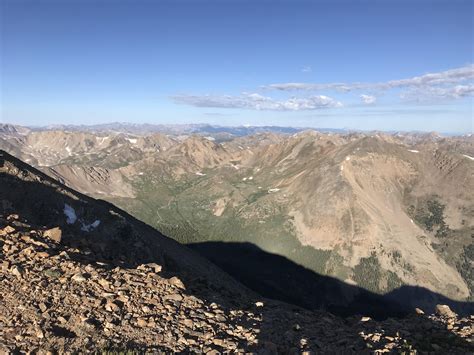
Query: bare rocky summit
(80, 275)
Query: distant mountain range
(216, 131)
(174, 129)
(371, 209)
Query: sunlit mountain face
(371, 209)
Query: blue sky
(390, 65)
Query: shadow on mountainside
(122, 241)
(274, 276)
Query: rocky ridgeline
(58, 298)
(50, 301)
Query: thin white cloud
(306, 69)
(453, 76)
(368, 99)
(258, 102)
(427, 94)
(445, 78)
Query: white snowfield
(413, 150)
(468, 157)
(70, 214)
(132, 140)
(200, 174)
(273, 190)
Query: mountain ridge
(301, 196)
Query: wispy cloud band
(258, 102)
(452, 76)
(432, 87)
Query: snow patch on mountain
(70, 214)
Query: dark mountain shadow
(123, 241)
(277, 277)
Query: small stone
(52, 273)
(7, 230)
(174, 297)
(104, 283)
(365, 319)
(142, 322)
(42, 254)
(176, 282)
(218, 342)
(259, 304)
(78, 278)
(419, 311)
(5, 265)
(55, 234)
(444, 311)
(112, 307)
(39, 333)
(188, 323)
(156, 268)
(17, 271)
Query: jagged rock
(39, 333)
(7, 230)
(173, 297)
(55, 234)
(42, 306)
(17, 271)
(176, 282)
(445, 311)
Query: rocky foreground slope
(78, 274)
